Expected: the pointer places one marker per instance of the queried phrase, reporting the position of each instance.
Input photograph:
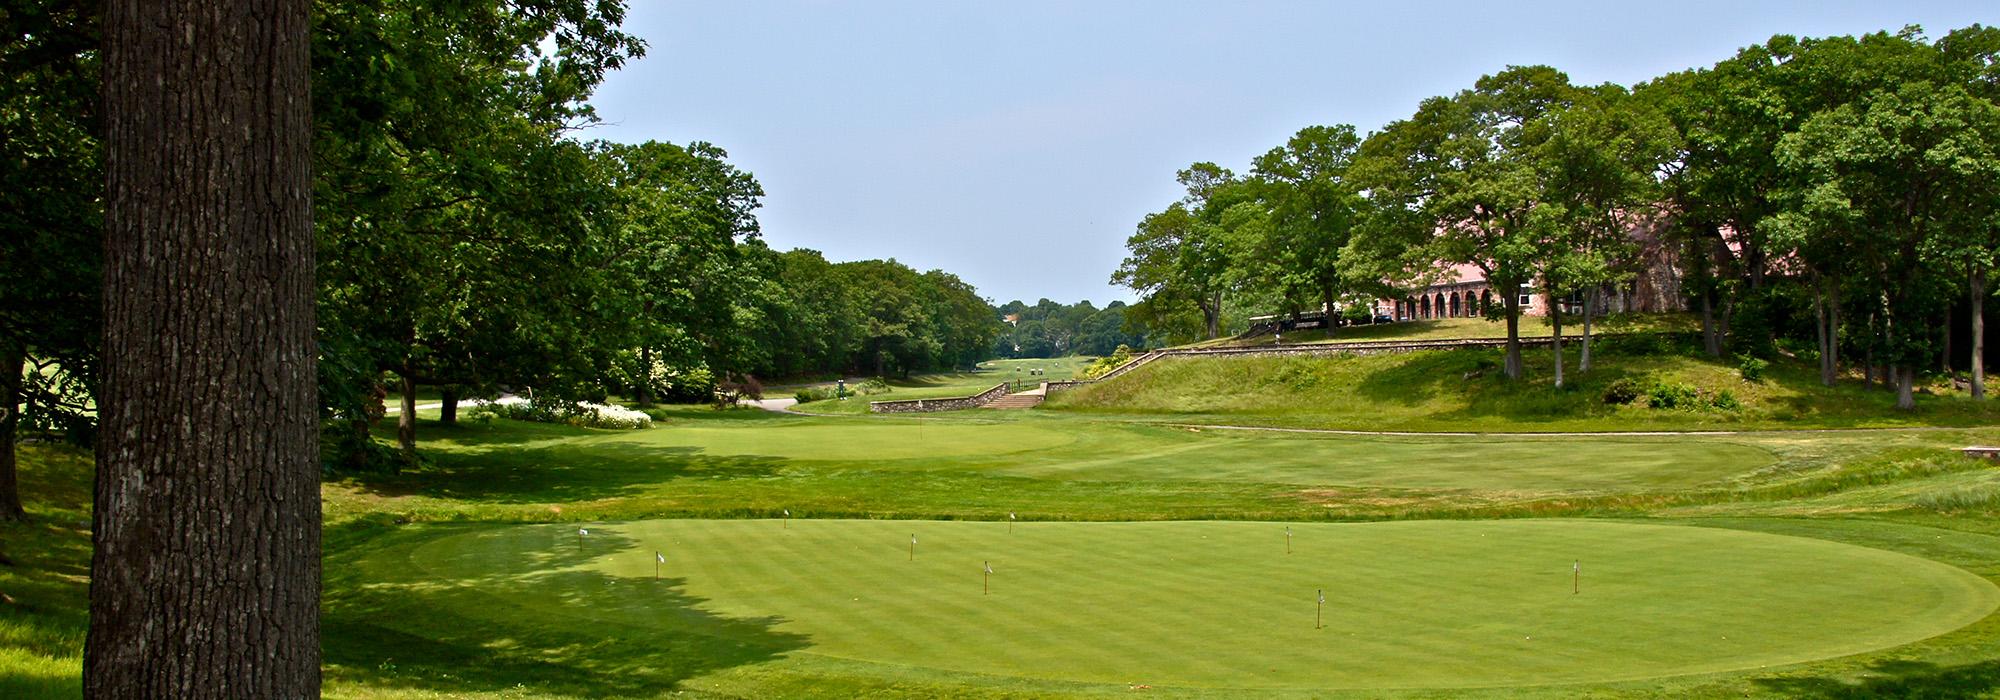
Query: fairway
(1106, 451)
(1429, 604)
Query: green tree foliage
(1053, 329)
(51, 179)
(1461, 182)
(1182, 258)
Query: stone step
(1011, 401)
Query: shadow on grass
(587, 634)
(563, 472)
(1898, 679)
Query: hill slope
(1669, 388)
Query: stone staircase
(1026, 399)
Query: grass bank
(1464, 390)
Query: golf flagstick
(1318, 607)
(580, 532)
(658, 560)
(1288, 539)
(985, 586)
(913, 546)
(1576, 580)
(786, 524)
(1010, 523)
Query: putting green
(1434, 604)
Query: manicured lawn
(1465, 390)
(1433, 604)
(983, 464)
(1135, 562)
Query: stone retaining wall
(945, 404)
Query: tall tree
(205, 570)
(1457, 183)
(51, 179)
(1600, 162)
(1181, 256)
(1314, 212)
(1902, 167)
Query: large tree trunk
(11, 361)
(1944, 361)
(406, 420)
(1833, 333)
(1711, 338)
(1820, 335)
(448, 405)
(1513, 304)
(1979, 333)
(642, 389)
(205, 573)
(1556, 336)
(1906, 397)
(1211, 312)
(1583, 364)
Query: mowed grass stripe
(1220, 605)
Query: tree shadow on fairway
(1898, 679)
(564, 472)
(532, 622)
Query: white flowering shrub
(581, 413)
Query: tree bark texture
(12, 358)
(1513, 304)
(205, 575)
(1583, 363)
(1979, 333)
(1944, 359)
(1556, 334)
(1711, 338)
(1822, 337)
(406, 420)
(448, 405)
(1905, 377)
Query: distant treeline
(1051, 329)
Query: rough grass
(1464, 390)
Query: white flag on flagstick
(582, 531)
(662, 558)
(989, 567)
(788, 512)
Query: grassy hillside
(1456, 328)
(1464, 390)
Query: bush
(873, 386)
(814, 393)
(1623, 391)
(581, 414)
(1673, 395)
(1727, 402)
(1752, 368)
(1105, 364)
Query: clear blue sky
(1018, 143)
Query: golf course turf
(1217, 605)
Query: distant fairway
(1053, 449)
(1432, 604)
